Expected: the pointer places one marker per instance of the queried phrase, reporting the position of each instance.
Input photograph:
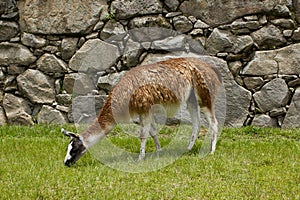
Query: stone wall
(53, 53)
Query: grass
(249, 163)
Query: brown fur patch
(181, 65)
(144, 97)
(105, 118)
(207, 81)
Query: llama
(171, 84)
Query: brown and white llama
(169, 83)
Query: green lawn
(249, 163)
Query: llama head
(75, 149)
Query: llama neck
(94, 133)
(100, 127)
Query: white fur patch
(68, 156)
(93, 139)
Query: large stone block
(8, 30)
(172, 4)
(49, 115)
(282, 61)
(109, 81)
(269, 37)
(150, 28)
(51, 65)
(59, 16)
(17, 110)
(94, 55)
(219, 12)
(296, 35)
(263, 120)
(182, 24)
(86, 108)
(15, 54)
(297, 10)
(225, 41)
(171, 43)
(288, 59)
(237, 104)
(3, 120)
(113, 31)
(36, 86)
(32, 40)
(124, 9)
(8, 9)
(132, 52)
(78, 84)
(68, 47)
(64, 99)
(253, 83)
(219, 41)
(274, 94)
(292, 117)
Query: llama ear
(69, 134)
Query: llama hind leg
(214, 135)
(194, 111)
(213, 130)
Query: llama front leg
(144, 131)
(153, 134)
